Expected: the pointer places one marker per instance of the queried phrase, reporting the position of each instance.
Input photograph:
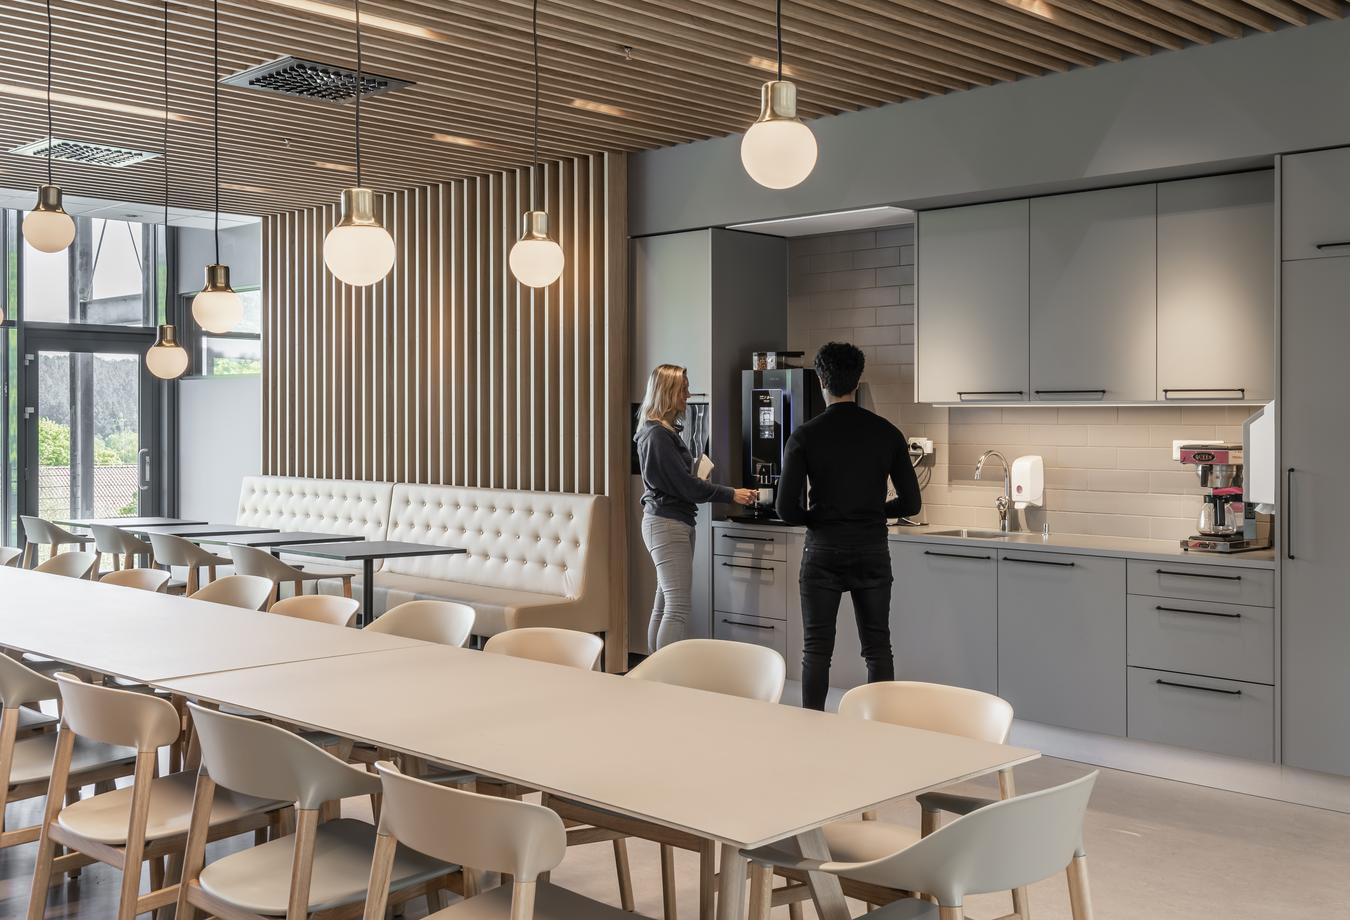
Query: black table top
(126, 523)
(199, 530)
(357, 550)
(281, 538)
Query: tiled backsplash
(1107, 470)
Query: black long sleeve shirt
(846, 454)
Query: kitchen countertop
(1072, 543)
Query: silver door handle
(143, 461)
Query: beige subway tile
(876, 258)
(1118, 435)
(1142, 504)
(1030, 415)
(852, 280)
(1171, 528)
(1087, 415)
(896, 236)
(906, 255)
(1058, 435)
(1058, 477)
(1117, 480)
(878, 335)
(861, 239)
(1204, 415)
(801, 246)
(898, 274)
(999, 433)
(1177, 481)
(1144, 458)
(907, 334)
(1111, 525)
(1149, 415)
(971, 415)
(877, 296)
(878, 372)
(907, 293)
(890, 316)
(1087, 458)
(1230, 433)
(830, 300)
(1164, 435)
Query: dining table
(368, 552)
(271, 540)
(195, 531)
(126, 523)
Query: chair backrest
(250, 560)
(343, 506)
(171, 550)
(36, 530)
(10, 555)
(110, 539)
(143, 579)
(262, 760)
(445, 622)
(120, 717)
(935, 707)
(569, 647)
(319, 608)
(717, 665)
(20, 684)
(247, 591)
(483, 832)
(1004, 845)
(72, 564)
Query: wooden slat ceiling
(617, 75)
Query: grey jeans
(671, 544)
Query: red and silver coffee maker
(1227, 524)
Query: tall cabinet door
(972, 304)
(1216, 287)
(1094, 323)
(1315, 612)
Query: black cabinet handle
(1201, 613)
(757, 568)
(929, 552)
(1333, 245)
(1200, 575)
(1038, 561)
(751, 625)
(1240, 391)
(1289, 513)
(1172, 683)
(728, 536)
(962, 394)
(1101, 393)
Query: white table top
(145, 636)
(737, 771)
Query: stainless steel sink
(975, 534)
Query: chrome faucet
(1004, 502)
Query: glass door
(90, 426)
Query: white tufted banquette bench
(533, 558)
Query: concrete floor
(1158, 849)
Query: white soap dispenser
(1028, 482)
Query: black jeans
(827, 572)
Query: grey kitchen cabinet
(755, 630)
(750, 585)
(1315, 441)
(1061, 639)
(972, 304)
(1204, 713)
(1216, 287)
(944, 614)
(1314, 221)
(1093, 307)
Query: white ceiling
(22, 200)
(833, 222)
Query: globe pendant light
(48, 228)
(217, 308)
(166, 359)
(536, 260)
(778, 151)
(358, 250)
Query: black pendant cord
(165, 154)
(360, 91)
(49, 92)
(778, 29)
(215, 109)
(534, 168)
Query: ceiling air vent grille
(83, 152)
(292, 76)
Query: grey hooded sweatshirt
(672, 489)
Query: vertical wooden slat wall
(448, 371)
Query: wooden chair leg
(795, 910)
(707, 881)
(625, 874)
(1080, 895)
(346, 586)
(146, 763)
(761, 891)
(668, 882)
(297, 588)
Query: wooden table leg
(731, 885)
(826, 891)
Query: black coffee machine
(773, 404)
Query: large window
(240, 351)
(107, 277)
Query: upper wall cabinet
(1094, 296)
(1216, 288)
(1316, 221)
(972, 304)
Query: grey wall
(220, 442)
(1234, 103)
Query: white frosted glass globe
(48, 231)
(217, 311)
(358, 255)
(778, 153)
(536, 263)
(167, 362)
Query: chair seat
(33, 757)
(905, 909)
(259, 879)
(31, 720)
(864, 841)
(104, 817)
(550, 903)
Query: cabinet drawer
(1315, 223)
(1202, 582)
(755, 544)
(755, 630)
(757, 587)
(1198, 637)
(1221, 716)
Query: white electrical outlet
(923, 444)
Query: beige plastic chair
(147, 820)
(247, 591)
(175, 551)
(121, 547)
(718, 666)
(1004, 845)
(568, 647)
(483, 834)
(442, 622)
(38, 533)
(321, 867)
(142, 579)
(250, 560)
(319, 608)
(26, 756)
(70, 564)
(9, 556)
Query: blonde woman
(672, 494)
